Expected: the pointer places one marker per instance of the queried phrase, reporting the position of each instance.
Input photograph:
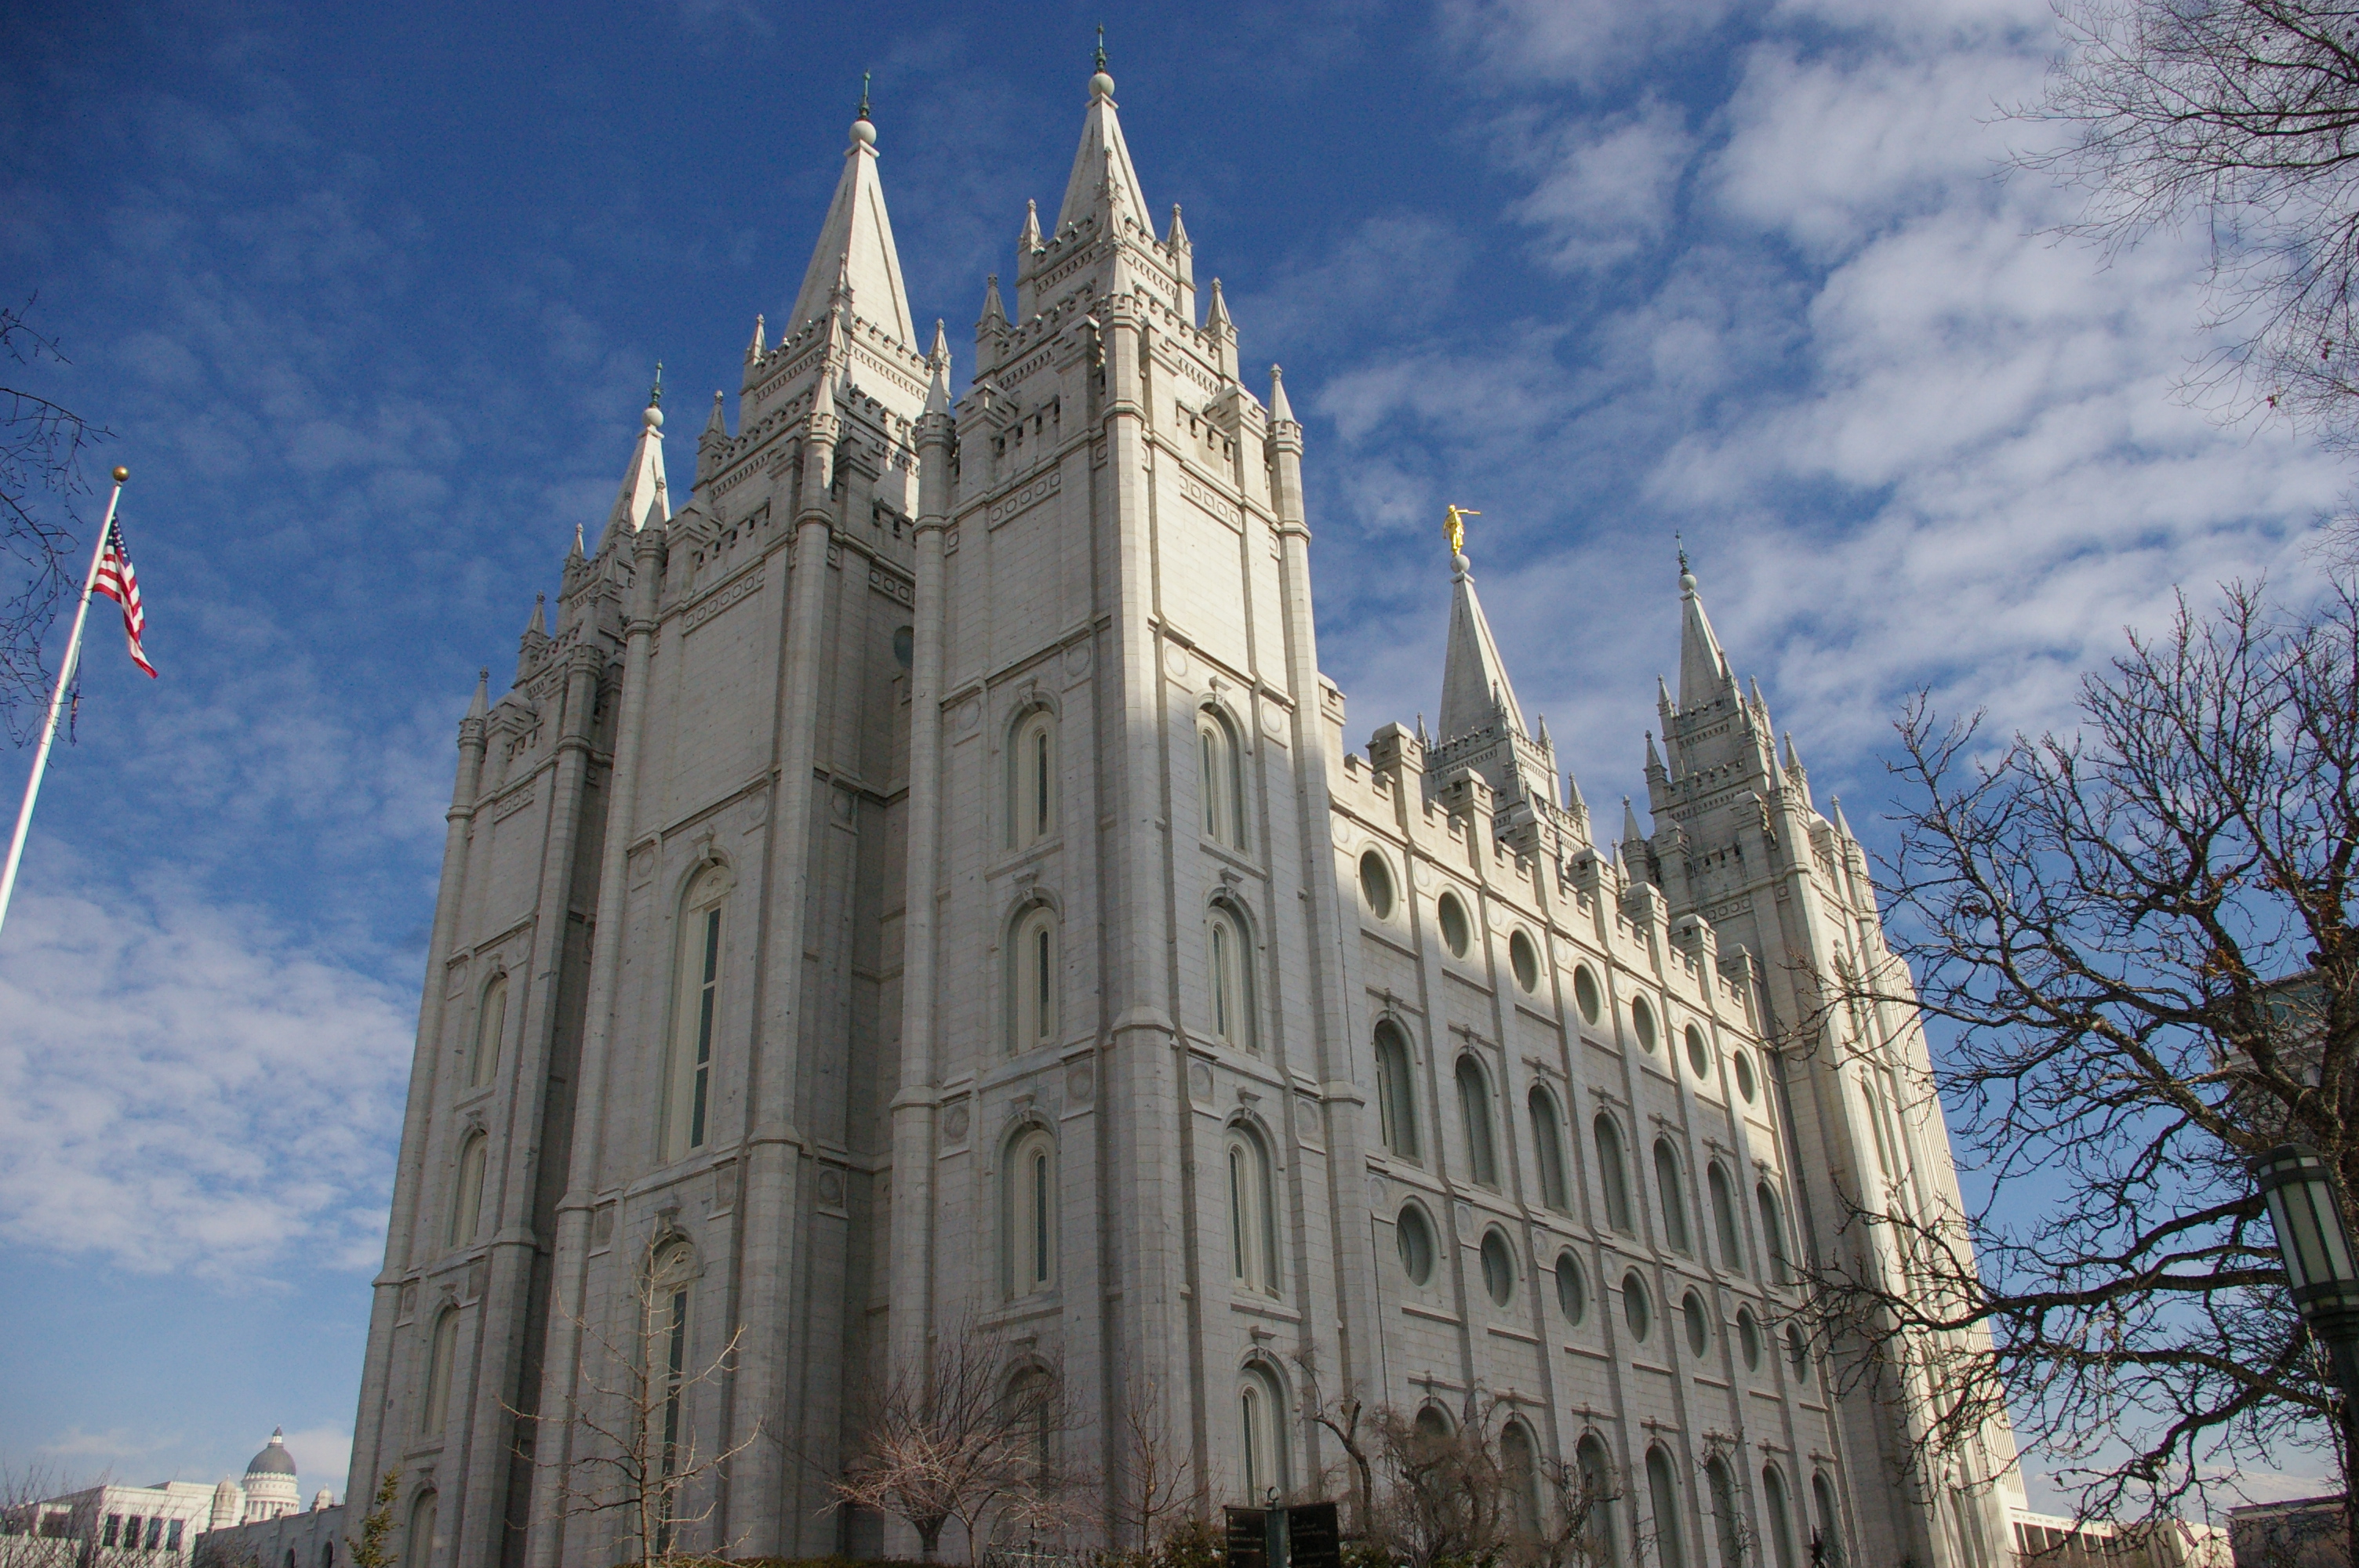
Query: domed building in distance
(176, 1518)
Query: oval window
(1498, 1268)
(1635, 1310)
(1376, 884)
(1698, 1326)
(1524, 960)
(1572, 1290)
(1584, 993)
(1797, 1350)
(1454, 935)
(1642, 1022)
(1748, 1338)
(1744, 1075)
(1416, 1240)
(1698, 1054)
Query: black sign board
(1313, 1537)
(1248, 1538)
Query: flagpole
(58, 701)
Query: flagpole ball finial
(121, 474)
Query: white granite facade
(923, 882)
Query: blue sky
(371, 296)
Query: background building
(921, 889)
(162, 1523)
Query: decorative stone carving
(1081, 1083)
(831, 1187)
(955, 1124)
(1200, 1082)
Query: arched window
(422, 1544)
(1031, 1213)
(1433, 1423)
(696, 1000)
(1613, 1176)
(1596, 1498)
(441, 1349)
(1830, 1526)
(1571, 1289)
(1498, 1268)
(1414, 1235)
(1230, 956)
(1032, 781)
(1724, 1218)
(1547, 1143)
(1262, 1434)
(1475, 1109)
(491, 1028)
(1395, 1090)
(1781, 1515)
(1032, 979)
(1252, 1238)
(1671, 1190)
(1663, 1498)
(467, 1191)
(1773, 1235)
(1219, 780)
(1637, 1307)
(1519, 1468)
(1031, 1400)
(671, 1275)
(1726, 1523)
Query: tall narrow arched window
(1673, 1191)
(1253, 1238)
(1773, 1235)
(1519, 1469)
(421, 1545)
(1031, 1408)
(1548, 1146)
(467, 1191)
(441, 1349)
(1219, 780)
(1395, 1090)
(1725, 1522)
(696, 1000)
(1829, 1522)
(1032, 781)
(671, 1275)
(1229, 981)
(1031, 1213)
(491, 1029)
(1663, 1498)
(1475, 1110)
(1774, 1503)
(1032, 979)
(1261, 1434)
(1595, 1499)
(1612, 1174)
(1724, 1218)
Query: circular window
(1744, 1075)
(1698, 1054)
(1698, 1326)
(1452, 916)
(1635, 1310)
(1524, 960)
(1572, 1290)
(1416, 1240)
(1748, 1338)
(1377, 885)
(1498, 1268)
(1584, 993)
(1642, 1022)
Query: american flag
(120, 583)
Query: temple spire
(855, 251)
(1476, 691)
(1280, 408)
(1102, 167)
(641, 502)
(1703, 668)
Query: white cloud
(1586, 42)
(1610, 186)
(184, 1087)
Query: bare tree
(636, 1456)
(41, 446)
(2137, 941)
(1357, 1430)
(1158, 1483)
(1464, 1494)
(968, 1436)
(2241, 117)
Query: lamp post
(2299, 1187)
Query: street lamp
(2299, 1187)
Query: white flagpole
(58, 701)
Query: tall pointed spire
(1703, 668)
(717, 425)
(1101, 167)
(642, 501)
(539, 626)
(938, 385)
(481, 705)
(1217, 313)
(993, 312)
(1476, 691)
(855, 247)
(1280, 408)
(754, 348)
(1028, 240)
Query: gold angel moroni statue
(1454, 528)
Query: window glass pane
(1773, 1235)
(1525, 960)
(1642, 1022)
(1415, 1238)
(1474, 1107)
(1548, 1148)
(1584, 993)
(1667, 1185)
(1781, 1521)
(1452, 916)
(1698, 1326)
(1376, 884)
(1396, 1094)
(1663, 1495)
(1723, 1220)
(1613, 1180)
(1499, 1269)
(1572, 1290)
(1638, 1312)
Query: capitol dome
(270, 1489)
